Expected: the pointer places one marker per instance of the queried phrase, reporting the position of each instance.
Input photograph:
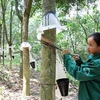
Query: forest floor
(11, 88)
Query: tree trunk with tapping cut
(48, 63)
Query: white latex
(25, 44)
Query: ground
(11, 88)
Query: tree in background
(5, 31)
(19, 14)
(0, 41)
(26, 66)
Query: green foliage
(15, 61)
(78, 28)
(36, 6)
(65, 5)
(74, 37)
(38, 68)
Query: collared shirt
(88, 74)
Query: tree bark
(0, 41)
(26, 72)
(26, 66)
(48, 63)
(10, 42)
(48, 5)
(21, 53)
(4, 4)
(4, 26)
(48, 68)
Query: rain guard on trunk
(49, 21)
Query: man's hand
(65, 51)
(75, 57)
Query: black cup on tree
(32, 64)
(63, 85)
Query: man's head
(93, 43)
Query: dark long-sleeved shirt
(88, 73)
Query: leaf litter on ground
(11, 89)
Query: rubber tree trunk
(48, 63)
(26, 66)
(0, 41)
(21, 53)
(21, 56)
(10, 41)
(48, 69)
